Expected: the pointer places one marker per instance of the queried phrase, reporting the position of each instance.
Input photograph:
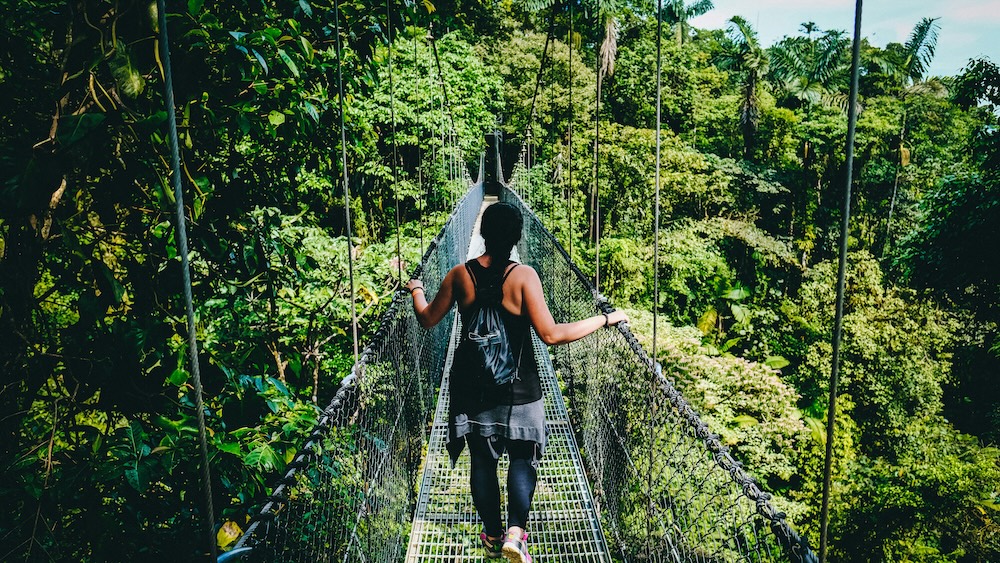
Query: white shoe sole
(513, 554)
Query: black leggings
(521, 478)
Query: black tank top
(526, 387)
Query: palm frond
(698, 8)
(787, 62)
(840, 101)
(830, 59)
(920, 47)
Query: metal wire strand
(182, 243)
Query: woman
(511, 417)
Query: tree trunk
(895, 185)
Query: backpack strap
(472, 274)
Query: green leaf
(195, 6)
(307, 48)
(706, 324)
(311, 111)
(745, 420)
(276, 118)
(108, 284)
(306, 8)
(138, 478)
(288, 62)
(280, 386)
(776, 362)
(737, 294)
(817, 429)
(740, 313)
(179, 377)
(230, 448)
(263, 63)
(262, 457)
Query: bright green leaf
(276, 118)
(745, 420)
(776, 362)
(179, 377)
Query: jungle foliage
(99, 442)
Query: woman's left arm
(430, 314)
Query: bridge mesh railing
(667, 487)
(349, 493)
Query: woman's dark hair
(501, 229)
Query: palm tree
(806, 67)
(746, 57)
(909, 67)
(677, 14)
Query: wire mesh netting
(668, 490)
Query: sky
(969, 28)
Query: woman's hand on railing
(413, 285)
(615, 317)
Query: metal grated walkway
(564, 524)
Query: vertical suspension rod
(182, 243)
(838, 324)
(343, 168)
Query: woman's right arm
(547, 328)
(430, 314)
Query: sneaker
(490, 546)
(516, 550)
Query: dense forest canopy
(98, 425)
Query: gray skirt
(514, 422)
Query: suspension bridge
(631, 473)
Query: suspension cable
(656, 262)
(444, 87)
(541, 66)
(421, 200)
(182, 243)
(572, 119)
(347, 188)
(534, 96)
(395, 149)
(831, 413)
(595, 208)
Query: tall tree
(909, 66)
(750, 61)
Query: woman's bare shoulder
(524, 273)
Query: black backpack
(487, 333)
